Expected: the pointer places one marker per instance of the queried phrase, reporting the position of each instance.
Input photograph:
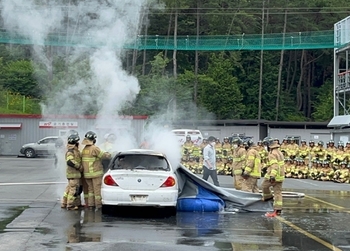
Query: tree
(18, 77)
(222, 96)
(324, 103)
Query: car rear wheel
(29, 153)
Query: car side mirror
(38, 142)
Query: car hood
(29, 145)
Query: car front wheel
(29, 153)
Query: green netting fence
(286, 41)
(16, 103)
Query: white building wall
(341, 135)
(307, 134)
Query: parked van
(181, 134)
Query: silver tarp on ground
(234, 199)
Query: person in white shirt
(209, 161)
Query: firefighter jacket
(320, 153)
(283, 148)
(304, 169)
(288, 167)
(314, 172)
(292, 150)
(312, 151)
(263, 153)
(187, 147)
(239, 158)
(304, 152)
(344, 173)
(196, 150)
(347, 153)
(253, 162)
(226, 150)
(339, 156)
(73, 161)
(218, 150)
(275, 164)
(91, 161)
(330, 153)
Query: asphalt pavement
(31, 219)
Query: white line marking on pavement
(307, 183)
(32, 183)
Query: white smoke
(94, 81)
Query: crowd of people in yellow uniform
(309, 160)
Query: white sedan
(139, 178)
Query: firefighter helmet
(72, 132)
(73, 139)
(268, 141)
(90, 135)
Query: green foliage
(222, 95)
(227, 82)
(17, 77)
(324, 103)
(14, 103)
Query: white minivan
(181, 134)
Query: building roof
(232, 122)
(339, 121)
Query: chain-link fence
(16, 103)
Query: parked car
(44, 147)
(181, 134)
(140, 177)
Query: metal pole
(261, 59)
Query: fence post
(24, 104)
(7, 100)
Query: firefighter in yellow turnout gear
(226, 150)
(252, 169)
(93, 170)
(292, 149)
(304, 152)
(312, 150)
(342, 174)
(284, 147)
(187, 148)
(263, 154)
(339, 155)
(73, 173)
(218, 148)
(239, 158)
(274, 177)
(320, 151)
(331, 151)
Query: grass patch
(14, 212)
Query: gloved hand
(245, 175)
(272, 179)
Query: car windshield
(141, 162)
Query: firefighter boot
(274, 213)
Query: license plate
(138, 198)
